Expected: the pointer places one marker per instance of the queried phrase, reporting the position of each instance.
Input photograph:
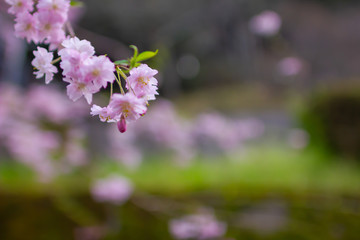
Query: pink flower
(57, 8)
(142, 82)
(76, 50)
(265, 24)
(104, 113)
(85, 73)
(126, 106)
(98, 70)
(42, 62)
(77, 89)
(113, 189)
(55, 38)
(73, 55)
(25, 27)
(49, 28)
(20, 6)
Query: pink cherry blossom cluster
(84, 72)
(40, 21)
(44, 21)
(127, 107)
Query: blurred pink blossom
(197, 226)
(267, 23)
(33, 147)
(49, 28)
(162, 130)
(290, 66)
(49, 103)
(26, 27)
(57, 8)
(113, 189)
(168, 130)
(37, 125)
(215, 130)
(75, 153)
(20, 6)
(123, 148)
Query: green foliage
(332, 118)
(146, 55)
(312, 195)
(121, 62)
(135, 60)
(76, 3)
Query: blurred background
(255, 133)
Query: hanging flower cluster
(40, 23)
(45, 21)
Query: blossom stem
(119, 82)
(125, 77)
(125, 67)
(70, 29)
(56, 60)
(111, 90)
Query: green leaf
(76, 3)
(122, 62)
(136, 51)
(133, 59)
(146, 55)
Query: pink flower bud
(122, 124)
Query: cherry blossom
(42, 62)
(20, 6)
(103, 112)
(142, 82)
(74, 48)
(45, 21)
(77, 89)
(49, 29)
(85, 73)
(99, 70)
(26, 27)
(57, 8)
(127, 106)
